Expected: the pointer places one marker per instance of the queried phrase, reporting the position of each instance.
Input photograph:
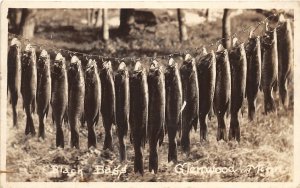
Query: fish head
(91, 66)
(15, 44)
(122, 66)
(138, 67)
(189, 61)
(75, 64)
(281, 18)
(221, 53)
(29, 51)
(44, 58)
(171, 67)
(106, 65)
(15, 47)
(59, 62)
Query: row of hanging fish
(151, 103)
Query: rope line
(245, 29)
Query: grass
(266, 142)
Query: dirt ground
(264, 154)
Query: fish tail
(221, 132)
(234, 130)
(138, 161)
(153, 159)
(203, 128)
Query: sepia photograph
(145, 93)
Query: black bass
(122, 106)
(269, 77)
(92, 100)
(238, 69)
(76, 93)
(206, 69)
(108, 104)
(14, 72)
(157, 106)
(138, 117)
(43, 90)
(29, 86)
(59, 96)
(223, 90)
(173, 106)
(190, 90)
(285, 58)
(253, 53)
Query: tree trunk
(98, 18)
(182, 25)
(27, 23)
(89, 17)
(226, 29)
(207, 14)
(126, 21)
(105, 26)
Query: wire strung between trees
(245, 29)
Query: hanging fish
(122, 106)
(43, 90)
(92, 100)
(269, 77)
(157, 106)
(138, 117)
(108, 104)
(29, 86)
(59, 96)
(173, 106)
(76, 93)
(206, 69)
(222, 91)
(190, 92)
(253, 53)
(14, 72)
(238, 70)
(285, 57)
